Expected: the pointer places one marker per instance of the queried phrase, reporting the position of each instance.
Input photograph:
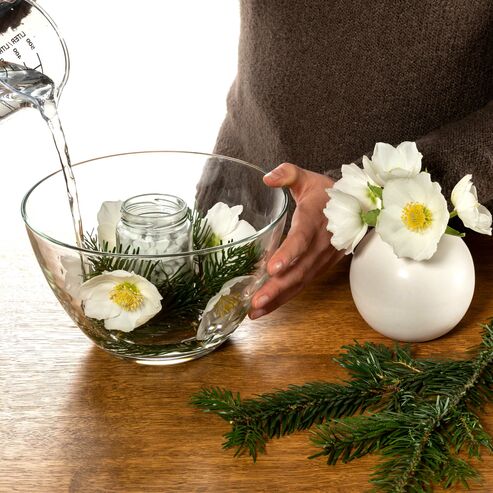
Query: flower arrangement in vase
(412, 276)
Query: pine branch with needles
(421, 416)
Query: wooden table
(73, 418)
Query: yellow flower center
(127, 295)
(416, 217)
(214, 240)
(226, 304)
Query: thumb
(285, 175)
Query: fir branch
(107, 263)
(187, 291)
(422, 414)
(201, 231)
(277, 414)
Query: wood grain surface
(76, 419)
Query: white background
(188, 49)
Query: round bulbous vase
(407, 300)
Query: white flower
(387, 162)
(414, 216)
(226, 309)
(354, 182)
(345, 221)
(122, 299)
(73, 275)
(474, 215)
(108, 217)
(225, 224)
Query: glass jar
(156, 224)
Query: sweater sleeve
(456, 149)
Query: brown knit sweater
(320, 82)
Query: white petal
(213, 301)
(412, 157)
(463, 187)
(108, 217)
(385, 158)
(97, 286)
(107, 235)
(118, 275)
(110, 212)
(465, 199)
(239, 285)
(148, 290)
(147, 311)
(406, 243)
(73, 275)
(388, 162)
(368, 167)
(242, 230)
(98, 304)
(483, 224)
(418, 245)
(101, 310)
(125, 322)
(354, 182)
(99, 292)
(222, 219)
(401, 191)
(344, 220)
(477, 218)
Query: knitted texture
(320, 82)
(11, 14)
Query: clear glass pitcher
(30, 40)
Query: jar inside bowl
(156, 224)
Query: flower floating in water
(108, 217)
(226, 307)
(73, 275)
(388, 162)
(122, 299)
(465, 200)
(407, 209)
(414, 218)
(226, 225)
(345, 220)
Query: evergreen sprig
(420, 415)
(107, 263)
(186, 292)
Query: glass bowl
(170, 262)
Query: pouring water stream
(19, 87)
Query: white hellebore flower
(226, 225)
(224, 309)
(414, 217)
(73, 275)
(474, 215)
(108, 217)
(122, 299)
(354, 182)
(387, 162)
(346, 224)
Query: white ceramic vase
(408, 300)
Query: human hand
(306, 251)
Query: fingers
(297, 243)
(281, 288)
(305, 226)
(276, 303)
(285, 175)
